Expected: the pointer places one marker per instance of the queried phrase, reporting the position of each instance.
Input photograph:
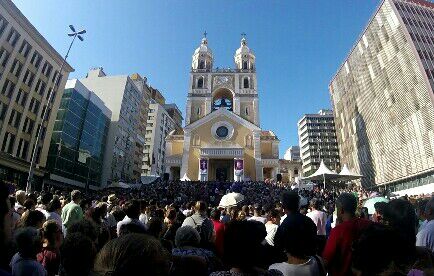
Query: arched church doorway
(222, 98)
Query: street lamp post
(53, 90)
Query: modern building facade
(292, 153)
(318, 142)
(222, 139)
(28, 66)
(383, 98)
(162, 120)
(126, 137)
(77, 148)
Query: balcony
(199, 91)
(174, 160)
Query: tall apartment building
(28, 66)
(317, 139)
(292, 153)
(162, 119)
(76, 154)
(126, 137)
(383, 98)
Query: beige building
(318, 142)
(383, 98)
(222, 138)
(28, 69)
(291, 170)
(162, 120)
(126, 98)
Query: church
(222, 139)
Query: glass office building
(79, 137)
(383, 98)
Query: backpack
(202, 232)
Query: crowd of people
(178, 228)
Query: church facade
(222, 138)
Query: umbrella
(121, 185)
(231, 199)
(371, 201)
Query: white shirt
(426, 236)
(271, 232)
(260, 219)
(320, 220)
(307, 269)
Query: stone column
(188, 112)
(185, 153)
(256, 112)
(208, 105)
(257, 155)
(236, 106)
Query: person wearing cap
(72, 211)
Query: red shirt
(338, 249)
(219, 228)
(50, 260)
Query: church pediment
(222, 112)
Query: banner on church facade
(239, 167)
(203, 166)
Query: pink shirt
(320, 220)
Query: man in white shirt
(132, 211)
(272, 225)
(320, 219)
(425, 237)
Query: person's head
(28, 241)
(200, 207)
(155, 227)
(316, 204)
(379, 207)
(290, 202)
(364, 213)
(421, 209)
(29, 204)
(274, 216)
(429, 209)
(400, 216)
(257, 211)
(20, 195)
(377, 251)
(78, 253)
(84, 227)
(131, 228)
(242, 244)
(53, 235)
(118, 213)
(346, 206)
(131, 253)
(187, 236)
(215, 214)
(241, 215)
(33, 218)
(55, 205)
(46, 198)
(299, 239)
(132, 209)
(76, 196)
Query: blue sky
(299, 45)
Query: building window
(200, 82)
(8, 88)
(25, 48)
(247, 111)
(4, 57)
(198, 111)
(13, 37)
(3, 24)
(246, 82)
(201, 64)
(245, 65)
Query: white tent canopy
(323, 173)
(347, 175)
